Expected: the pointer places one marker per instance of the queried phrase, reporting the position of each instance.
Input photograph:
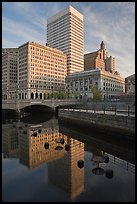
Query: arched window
(32, 95)
(44, 95)
(40, 95)
(36, 95)
(19, 95)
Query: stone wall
(124, 123)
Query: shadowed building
(9, 72)
(10, 141)
(130, 84)
(9, 50)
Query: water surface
(31, 173)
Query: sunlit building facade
(65, 173)
(41, 70)
(99, 60)
(65, 31)
(32, 151)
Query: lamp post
(2, 94)
(107, 90)
(36, 91)
(85, 98)
(52, 90)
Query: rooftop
(64, 12)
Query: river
(44, 160)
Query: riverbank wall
(118, 124)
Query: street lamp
(36, 91)
(52, 90)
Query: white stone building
(80, 83)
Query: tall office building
(65, 31)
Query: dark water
(31, 173)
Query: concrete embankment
(118, 124)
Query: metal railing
(126, 110)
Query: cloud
(31, 24)
(118, 33)
(112, 22)
(21, 32)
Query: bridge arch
(51, 103)
(37, 108)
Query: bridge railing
(126, 110)
(42, 100)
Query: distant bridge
(51, 103)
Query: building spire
(102, 45)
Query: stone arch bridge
(51, 103)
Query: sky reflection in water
(32, 173)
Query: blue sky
(112, 22)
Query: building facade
(80, 84)
(99, 59)
(41, 70)
(65, 31)
(10, 142)
(64, 172)
(32, 151)
(9, 73)
(130, 84)
(10, 50)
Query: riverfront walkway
(119, 121)
(107, 112)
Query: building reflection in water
(32, 139)
(27, 141)
(10, 142)
(65, 173)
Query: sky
(111, 22)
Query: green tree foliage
(76, 95)
(97, 93)
(60, 95)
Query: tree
(97, 93)
(76, 95)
